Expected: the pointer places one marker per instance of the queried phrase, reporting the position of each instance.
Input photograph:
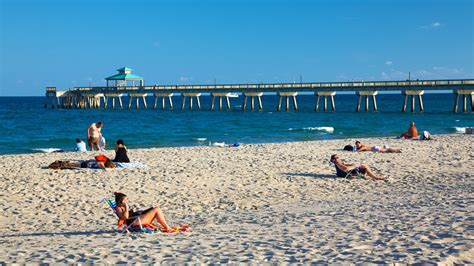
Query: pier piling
(366, 94)
(287, 99)
(465, 95)
(254, 95)
(191, 95)
(412, 94)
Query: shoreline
(255, 203)
(39, 150)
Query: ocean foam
(48, 150)
(200, 139)
(460, 129)
(329, 130)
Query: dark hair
(78, 140)
(99, 124)
(357, 142)
(109, 164)
(120, 142)
(348, 148)
(333, 157)
(119, 197)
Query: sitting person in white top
(80, 145)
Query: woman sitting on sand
(146, 217)
(121, 152)
(345, 169)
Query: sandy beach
(250, 204)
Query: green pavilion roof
(124, 77)
(125, 73)
(124, 69)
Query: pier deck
(83, 97)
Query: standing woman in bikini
(146, 217)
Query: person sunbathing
(347, 169)
(100, 162)
(146, 216)
(361, 147)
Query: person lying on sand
(146, 216)
(362, 147)
(348, 168)
(98, 163)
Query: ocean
(27, 127)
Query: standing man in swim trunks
(94, 134)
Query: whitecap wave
(329, 130)
(48, 150)
(200, 139)
(460, 129)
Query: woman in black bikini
(146, 217)
(121, 152)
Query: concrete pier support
(191, 95)
(137, 97)
(367, 94)
(51, 95)
(253, 95)
(163, 96)
(413, 93)
(325, 94)
(465, 97)
(113, 96)
(220, 95)
(287, 95)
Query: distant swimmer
(94, 134)
(412, 132)
(361, 147)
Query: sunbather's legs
(155, 213)
(392, 150)
(369, 172)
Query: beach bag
(101, 158)
(426, 135)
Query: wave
(460, 129)
(48, 150)
(329, 130)
(200, 139)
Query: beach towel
(131, 165)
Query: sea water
(26, 126)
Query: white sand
(254, 204)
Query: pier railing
(302, 87)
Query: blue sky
(77, 43)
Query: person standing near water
(94, 134)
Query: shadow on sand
(75, 233)
(313, 175)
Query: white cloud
(432, 25)
(436, 72)
(185, 79)
(388, 63)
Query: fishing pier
(133, 87)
